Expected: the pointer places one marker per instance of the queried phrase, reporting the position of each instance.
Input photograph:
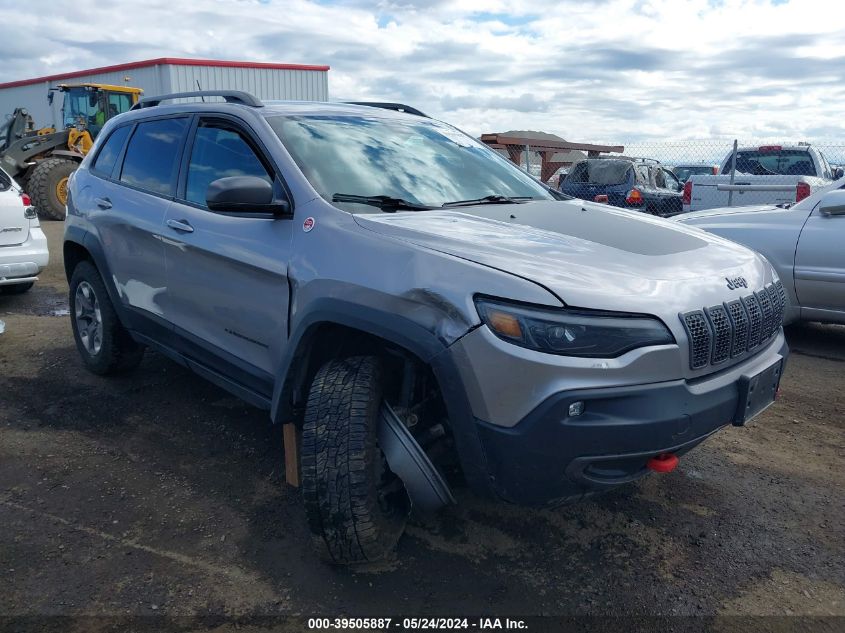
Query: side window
(643, 176)
(152, 155)
(672, 182)
(828, 173)
(118, 104)
(104, 163)
(220, 151)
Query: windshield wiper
(494, 199)
(385, 203)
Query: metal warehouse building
(167, 75)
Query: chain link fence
(670, 177)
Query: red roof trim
(172, 61)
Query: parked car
(23, 246)
(805, 242)
(405, 327)
(795, 170)
(683, 172)
(622, 182)
(561, 176)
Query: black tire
(44, 184)
(343, 470)
(117, 352)
(16, 289)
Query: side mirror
(244, 194)
(838, 172)
(833, 203)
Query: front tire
(103, 343)
(357, 509)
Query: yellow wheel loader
(42, 160)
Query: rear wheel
(16, 289)
(48, 186)
(103, 343)
(357, 508)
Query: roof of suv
(272, 108)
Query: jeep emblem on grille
(736, 282)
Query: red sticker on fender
(308, 224)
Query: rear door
(227, 274)
(14, 227)
(133, 187)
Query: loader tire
(48, 186)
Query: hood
(588, 255)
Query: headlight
(585, 333)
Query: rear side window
(220, 152)
(107, 157)
(153, 154)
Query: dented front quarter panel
(340, 260)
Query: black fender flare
(408, 335)
(83, 238)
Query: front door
(227, 274)
(820, 264)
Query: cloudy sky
(590, 70)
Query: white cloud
(602, 70)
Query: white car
(23, 245)
(805, 242)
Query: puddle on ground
(40, 301)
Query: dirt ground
(159, 494)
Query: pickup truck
(769, 174)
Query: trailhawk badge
(734, 282)
(308, 224)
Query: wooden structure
(552, 149)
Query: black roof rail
(398, 107)
(231, 96)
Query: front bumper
(548, 456)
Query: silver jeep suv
(419, 312)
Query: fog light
(576, 409)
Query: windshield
(683, 173)
(80, 105)
(786, 162)
(417, 160)
(600, 172)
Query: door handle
(103, 203)
(180, 225)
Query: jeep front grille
(732, 329)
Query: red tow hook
(663, 463)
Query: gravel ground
(159, 494)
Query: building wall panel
(265, 83)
